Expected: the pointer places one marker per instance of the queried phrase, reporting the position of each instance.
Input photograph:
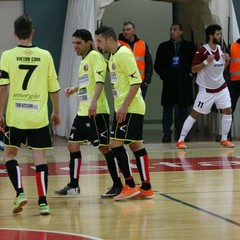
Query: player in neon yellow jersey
(28, 73)
(92, 121)
(129, 109)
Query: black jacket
(177, 81)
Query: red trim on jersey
(202, 54)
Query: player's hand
(92, 111)
(2, 122)
(121, 113)
(69, 91)
(226, 56)
(210, 58)
(55, 119)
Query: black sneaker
(166, 138)
(70, 191)
(112, 192)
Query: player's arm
(55, 118)
(3, 100)
(92, 111)
(199, 63)
(123, 110)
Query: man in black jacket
(173, 65)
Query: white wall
(152, 21)
(9, 11)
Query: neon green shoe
(19, 202)
(44, 209)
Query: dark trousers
(234, 89)
(180, 113)
(144, 88)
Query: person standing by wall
(129, 110)
(209, 63)
(234, 75)
(28, 73)
(141, 52)
(173, 65)
(92, 121)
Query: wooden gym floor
(197, 196)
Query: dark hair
(179, 25)
(106, 32)
(83, 34)
(129, 23)
(23, 27)
(211, 29)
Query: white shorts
(204, 101)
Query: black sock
(42, 182)
(123, 162)
(143, 168)
(14, 175)
(75, 166)
(113, 169)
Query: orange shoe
(127, 192)
(181, 145)
(227, 144)
(144, 194)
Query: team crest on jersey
(28, 52)
(113, 66)
(85, 67)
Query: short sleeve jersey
(124, 73)
(211, 76)
(31, 75)
(92, 70)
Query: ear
(110, 39)
(32, 33)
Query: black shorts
(94, 130)
(131, 130)
(39, 138)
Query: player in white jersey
(209, 63)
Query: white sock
(226, 125)
(186, 127)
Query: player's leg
(142, 162)
(39, 140)
(39, 157)
(114, 171)
(202, 105)
(77, 135)
(14, 173)
(99, 137)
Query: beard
(217, 41)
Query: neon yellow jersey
(31, 75)
(124, 73)
(92, 70)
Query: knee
(227, 111)
(104, 149)
(136, 146)
(72, 147)
(194, 114)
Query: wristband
(205, 62)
